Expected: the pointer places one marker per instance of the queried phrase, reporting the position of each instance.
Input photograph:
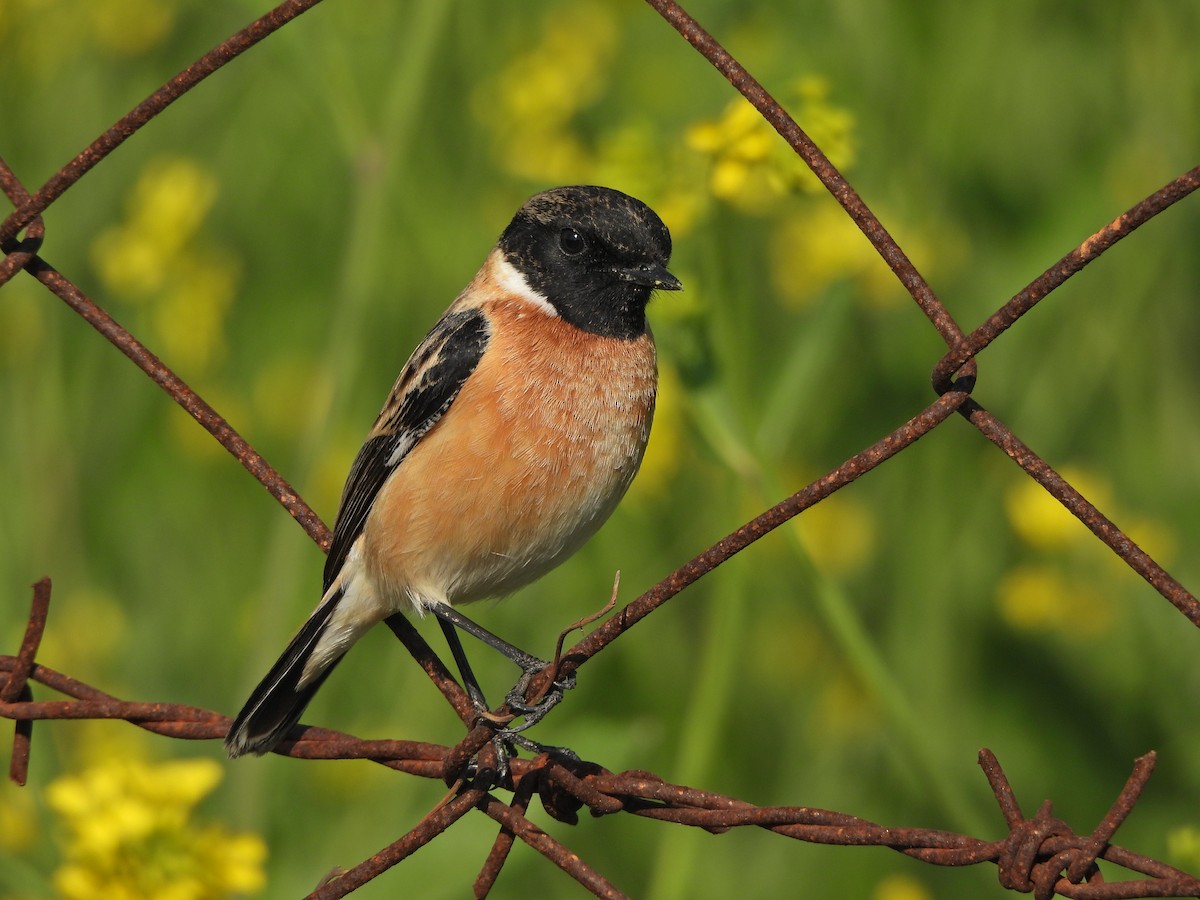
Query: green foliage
(284, 236)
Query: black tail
(278, 701)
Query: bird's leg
(536, 710)
(448, 615)
(450, 618)
(470, 682)
(502, 740)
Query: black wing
(427, 385)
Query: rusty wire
(1042, 854)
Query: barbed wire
(1040, 854)
(1032, 858)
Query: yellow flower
(900, 887)
(820, 246)
(155, 257)
(129, 261)
(1043, 522)
(751, 166)
(529, 105)
(843, 708)
(165, 212)
(1183, 847)
(839, 533)
(131, 27)
(190, 317)
(1037, 598)
(128, 833)
(172, 197)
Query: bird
(511, 434)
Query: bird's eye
(571, 242)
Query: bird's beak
(651, 275)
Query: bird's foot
(534, 709)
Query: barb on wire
(1040, 854)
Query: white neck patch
(511, 281)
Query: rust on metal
(1040, 855)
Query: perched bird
(510, 436)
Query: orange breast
(532, 457)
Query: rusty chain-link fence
(1040, 854)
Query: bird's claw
(536, 710)
(505, 743)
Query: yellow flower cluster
(529, 106)
(128, 835)
(37, 36)
(531, 109)
(1044, 523)
(901, 887)
(1037, 597)
(1183, 847)
(130, 27)
(1040, 594)
(838, 534)
(819, 246)
(751, 167)
(155, 257)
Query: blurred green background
(284, 235)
